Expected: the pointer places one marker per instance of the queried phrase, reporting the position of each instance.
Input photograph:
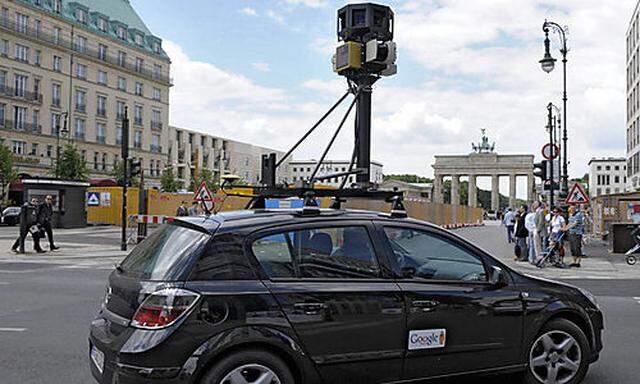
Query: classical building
(191, 150)
(607, 175)
(303, 169)
(77, 65)
(633, 100)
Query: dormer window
(139, 39)
(102, 24)
(57, 6)
(81, 16)
(122, 32)
(156, 47)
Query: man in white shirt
(530, 224)
(509, 221)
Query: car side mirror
(498, 277)
(408, 272)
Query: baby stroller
(551, 255)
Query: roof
(330, 162)
(120, 10)
(267, 217)
(607, 159)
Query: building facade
(421, 191)
(633, 100)
(607, 175)
(68, 70)
(190, 151)
(303, 169)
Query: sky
(260, 71)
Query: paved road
(46, 305)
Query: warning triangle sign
(577, 195)
(203, 193)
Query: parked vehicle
(10, 216)
(331, 296)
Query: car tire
(568, 362)
(249, 363)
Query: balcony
(156, 148)
(89, 50)
(102, 112)
(137, 121)
(157, 125)
(82, 108)
(55, 102)
(9, 125)
(119, 116)
(137, 144)
(79, 135)
(100, 139)
(21, 94)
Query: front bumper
(597, 322)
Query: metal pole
(125, 158)
(142, 207)
(565, 174)
(363, 130)
(550, 127)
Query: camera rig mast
(366, 53)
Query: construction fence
(104, 206)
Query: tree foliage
(168, 181)
(205, 175)
(118, 174)
(70, 165)
(408, 178)
(7, 172)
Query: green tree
(408, 178)
(118, 174)
(71, 166)
(168, 181)
(7, 172)
(205, 175)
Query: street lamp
(547, 63)
(59, 132)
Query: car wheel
(558, 355)
(249, 367)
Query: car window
(223, 259)
(426, 256)
(327, 252)
(161, 255)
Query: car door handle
(425, 305)
(310, 308)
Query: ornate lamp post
(548, 63)
(60, 132)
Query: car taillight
(163, 308)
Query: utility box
(69, 209)
(622, 240)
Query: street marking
(13, 329)
(4, 283)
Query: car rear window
(165, 254)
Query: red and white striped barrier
(462, 225)
(151, 219)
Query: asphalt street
(47, 303)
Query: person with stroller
(576, 230)
(558, 224)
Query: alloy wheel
(555, 358)
(251, 374)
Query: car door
(456, 320)
(341, 301)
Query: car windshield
(164, 254)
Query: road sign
(550, 151)
(204, 197)
(577, 195)
(93, 199)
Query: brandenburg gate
(482, 162)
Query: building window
(22, 53)
(121, 32)
(95, 160)
(34, 149)
(155, 143)
(81, 71)
(80, 44)
(57, 32)
(157, 71)
(36, 89)
(100, 133)
(102, 24)
(80, 129)
(139, 39)
(20, 85)
(156, 47)
(49, 152)
(118, 136)
(55, 94)
(616, 179)
(122, 59)
(103, 165)
(38, 27)
(137, 114)
(35, 118)
(22, 22)
(122, 83)
(38, 58)
(137, 139)
(156, 116)
(102, 52)
(139, 64)
(55, 123)
(57, 6)
(599, 168)
(81, 16)
(18, 147)
(102, 77)
(19, 118)
(607, 168)
(156, 94)
(57, 63)
(102, 106)
(81, 101)
(3, 116)
(120, 110)
(617, 168)
(139, 89)
(4, 47)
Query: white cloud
(261, 66)
(249, 11)
(308, 3)
(326, 46)
(278, 18)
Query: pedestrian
(530, 224)
(521, 234)
(541, 230)
(576, 230)
(28, 224)
(182, 210)
(557, 229)
(193, 211)
(509, 221)
(45, 216)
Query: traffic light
(135, 168)
(540, 170)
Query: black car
(10, 216)
(331, 296)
